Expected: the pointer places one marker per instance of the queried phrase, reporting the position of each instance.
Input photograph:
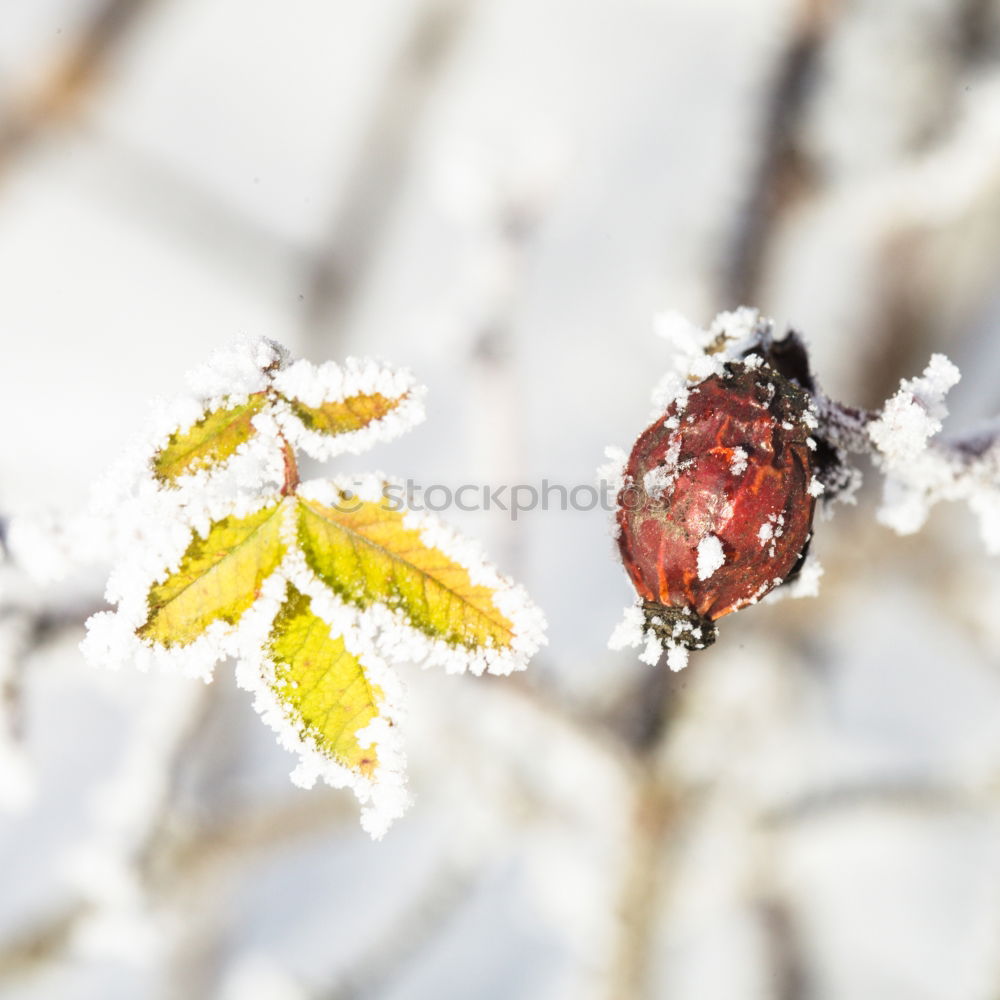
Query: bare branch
(781, 173)
(70, 78)
(376, 180)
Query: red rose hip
(717, 505)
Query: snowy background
(501, 194)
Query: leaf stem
(292, 480)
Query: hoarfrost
(921, 469)
(391, 632)
(914, 414)
(612, 472)
(710, 556)
(611, 477)
(629, 631)
(146, 526)
(383, 797)
(699, 354)
(155, 554)
(509, 598)
(632, 632)
(677, 657)
(806, 584)
(239, 369)
(652, 650)
(770, 531)
(659, 481)
(315, 385)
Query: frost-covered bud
(718, 500)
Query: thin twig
(184, 860)
(789, 978)
(41, 942)
(376, 181)
(781, 172)
(643, 886)
(412, 929)
(71, 77)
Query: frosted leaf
(335, 409)
(201, 490)
(396, 636)
(219, 551)
(113, 637)
(382, 793)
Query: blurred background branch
(378, 179)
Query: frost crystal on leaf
(222, 552)
(333, 409)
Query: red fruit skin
(716, 493)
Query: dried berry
(718, 503)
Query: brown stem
(643, 886)
(71, 77)
(377, 177)
(291, 482)
(783, 174)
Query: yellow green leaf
(208, 442)
(323, 686)
(218, 579)
(364, 553)
(346, 415)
